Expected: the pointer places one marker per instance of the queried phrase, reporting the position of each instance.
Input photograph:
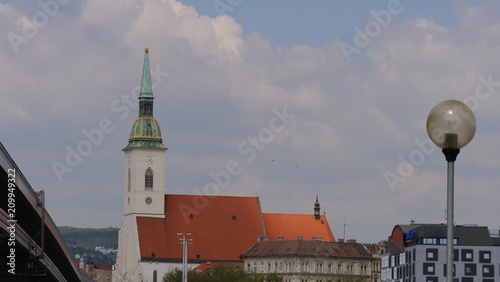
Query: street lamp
(184, 242)
(451, 125)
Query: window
(319, 268)
(330, 268)
(155, 276)
(249, 269)
(470, 269)
(349, 268)
(129, 177)
(148, 183)
(268, 267)
(467, 255)
(488, 270)
(442, 241)
(430, 241)
(485, 256)
(431, 279)
(429, 269)
(467, 279)
(432, 254)
(339, 268)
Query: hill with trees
(96, 244)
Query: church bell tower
(145, 157)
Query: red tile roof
(293, 226)
(308, 248)
(222, 228)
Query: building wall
(149, 267)
(427, 263)
(138, 161)
(127, 262)
(311, 268)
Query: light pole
(184, 242)
(451, 125)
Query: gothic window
(148, 183)
(128, 181)
(155, 276)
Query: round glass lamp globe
(451, 124)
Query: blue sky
(318, 23)
(359, 116)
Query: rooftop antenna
(345, 223)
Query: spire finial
(146, 50)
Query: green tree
(221, 272)
(226, 272)
(176, 276)
(273, 277)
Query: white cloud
(353, 120)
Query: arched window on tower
(128, 180)
(148, 183)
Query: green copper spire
(145, 132)
(146, 90)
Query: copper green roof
(145, 132)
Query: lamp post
(184, 242)
(451, 125)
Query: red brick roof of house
(222, 228)
(293, 226)
(307, 248)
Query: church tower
(144, 185)
(145, 157)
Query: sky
(323, 98)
